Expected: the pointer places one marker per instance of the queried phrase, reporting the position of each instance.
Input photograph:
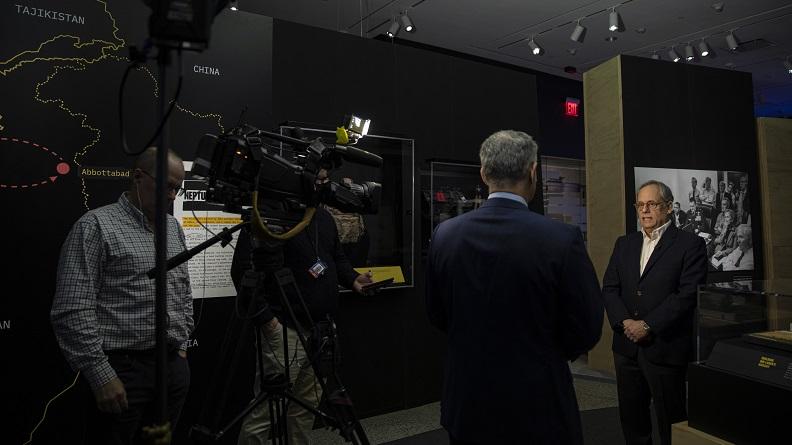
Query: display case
(564, 182)
(448, 189)
(451, 188)
(740, 388)
(454, 189)
(381, 243)
(757, 311)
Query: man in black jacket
(650, 297)
(518, 297)
(318, 264)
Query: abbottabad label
(383, 273)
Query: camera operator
(317, 261)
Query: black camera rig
(244, 168)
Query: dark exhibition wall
(61, 156)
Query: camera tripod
(267, 276)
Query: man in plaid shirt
(103, 309)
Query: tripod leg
(275, 424)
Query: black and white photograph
(714, 205)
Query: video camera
(244, 168)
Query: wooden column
(775, 175)
(604, 180)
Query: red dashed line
(42, 147)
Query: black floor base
(600, 427)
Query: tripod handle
(224, 236)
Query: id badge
(318, 269)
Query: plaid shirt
(103, 299)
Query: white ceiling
(499, 30)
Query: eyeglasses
(176, 189)
(651, 204)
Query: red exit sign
(571, 106)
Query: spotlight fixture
(731, 41)
(655, 56)
(535, 48)
(704, 49)
(406, 23)
(233, 5)
(672, 54)
(393, 30)
(689, 54)
(579, 33)
(788, 65)
(613, 20)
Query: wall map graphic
(61, 65)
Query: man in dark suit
(650, 296)
(680, 217)
(518, 297)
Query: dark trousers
(640, 382)
(137, 371)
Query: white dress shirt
(650, 242)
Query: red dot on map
(63, 168)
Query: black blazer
(518, 297)
(664, 296)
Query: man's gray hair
(507, 155)
(147, 161)
(665, 193)
(746, 231)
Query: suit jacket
(664, 296)
(682, 218)
(518, 297)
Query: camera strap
(319, 267)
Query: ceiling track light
(613, 20)
(233, 5)
(393, 30)
(731, 41)
(672, 54)
(655, 56)
(579, 33)
(788, 65)
(704, 49)
(406, 23)
(689, 54)
(535, 48)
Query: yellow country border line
(203, 116)
(83, 120)
(121, 41)
(79, 66)
(80, 62)
(178, 105)
(78, 44)
(115, 46)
